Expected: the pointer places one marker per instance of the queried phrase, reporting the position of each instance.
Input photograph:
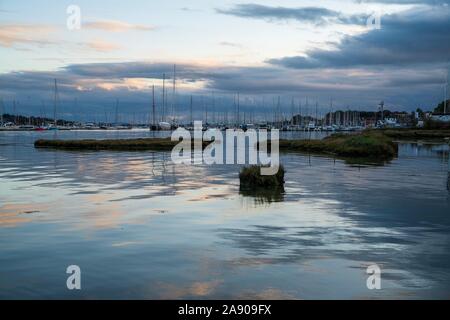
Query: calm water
(140, 227)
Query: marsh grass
(155, 144)
(417, 133)
(367, 145)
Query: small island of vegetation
(366, 144)
(156, 144)
(250, 177)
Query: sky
(315, 51)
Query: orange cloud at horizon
(115, 26)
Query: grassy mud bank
(113, 144)
(370, 145)
(414, 134)
(142, 144)
(367, 145)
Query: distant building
(390, 122)
(441, 117)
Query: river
(139, 226)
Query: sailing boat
(54, 126)
(117, 124)
(164, 125)
(174, 120)
(153, 126)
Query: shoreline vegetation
(405, 134)
(141, 144)
(362, 145)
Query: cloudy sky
(302, 50)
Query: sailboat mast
(106, 116)
(192, 120)
(153, 106)
(116, 120)
(1, 111)
(317, 105)
(164, 98)
(205, 104)
(307, 109)
(279, 117)
(14, 111)
(226, 114)
(445, 98)
(299, 112)
(213, 108)
(235, 110)
(331, 112)
(292, 111)
(54, 103)
(238, 110)
(173, 92)
(446, 92)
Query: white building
(441, 117)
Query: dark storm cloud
(37, 80)
(314, 15)
(137, 70)
(417, 37)
(425, 2)
(407, 88)
(403, 64)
